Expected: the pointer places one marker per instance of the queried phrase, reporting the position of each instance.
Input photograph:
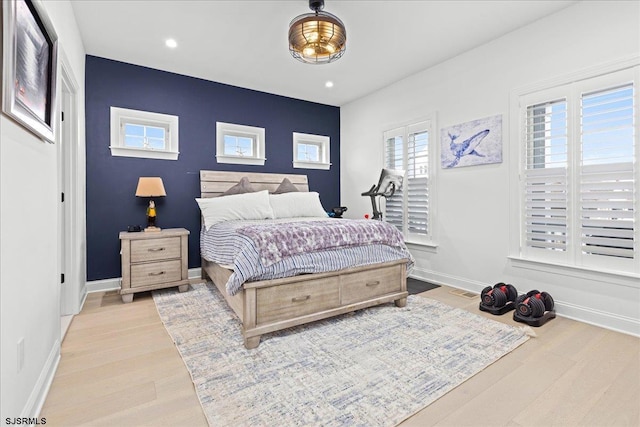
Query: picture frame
(477, 142)
(29, 64)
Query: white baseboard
(41, 389)
(446, 280)
(105, 285)
(195, 273)
(607, 320)
(613, 321)
(84, 294)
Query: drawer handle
(372, 284)
(156, 274)
(300, 299)
(155, 249)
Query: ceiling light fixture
(328, 84)
(171, 43)
(318, 37)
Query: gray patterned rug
(375, 367)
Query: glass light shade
(317, 38)
(150, 186)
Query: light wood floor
(120, 368)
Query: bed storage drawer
(155, 249)
(298, 299)
(155, 272)
(370, 284)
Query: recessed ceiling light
(328, 84)
(171, 43)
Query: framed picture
(478, 142)
(29, 61)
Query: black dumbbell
(534, 303)
(499, 295)
(548, 301)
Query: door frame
(73, 291)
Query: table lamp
(151, 186)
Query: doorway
(71, 291)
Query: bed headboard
(214, 183)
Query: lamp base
(152, 228)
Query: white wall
(472, 223)
(29, 271)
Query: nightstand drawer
(155, 272)
(370, 284)
(155, 249)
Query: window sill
(312, 165)
(241, 160)
(430, 247)
(616, 277)
(144, 154)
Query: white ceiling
(244, 43)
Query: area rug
(374, 367)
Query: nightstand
(154, 260)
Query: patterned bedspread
(270, 249)
(276, 241)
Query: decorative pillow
(286, 186)
(297, 204)
(238, 206)
(243, 186)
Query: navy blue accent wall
(112, 181)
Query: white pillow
(238, 206)
(296, 204)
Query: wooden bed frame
(270, 305)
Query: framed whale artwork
(478, 142)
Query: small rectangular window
(146, 137)
(143, 134)
(239, 144)
(311, 151)
(308, 152)
(235, 145)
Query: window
(143, 134)
(407, 148)
(239, 144)
(236, 145)
(580, 180)
(311, 151)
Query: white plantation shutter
(546, 183)
(546, 209)
(394, 159)
(607, 185)
(416, 184)
(407, 148)
(580, 173)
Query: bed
(265, 306)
